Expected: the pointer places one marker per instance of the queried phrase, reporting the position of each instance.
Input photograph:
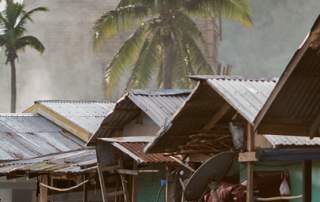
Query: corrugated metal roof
(76, 161)
(133, 146)
(159, 105)
(295, 101)
(88, 115)
(245, 95)
(280, 140)
(26, 136)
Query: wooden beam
(116, 193)
(313, 130)
(183, 164)
(134, 182)
(107, 127)
(222, 111)
(128, 111)
(307, 181)
(123, 180)
(44, 190)
(124, 172)
(280, 129)
(85, 189)
(117, 199)
(250, 148)
(102, 184)
(110, 168)
(247, 156)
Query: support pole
(134, 182)
(85, 189)
(44, 190)
(123, 180)
(102, 184)
(307, 181)
(250, 148)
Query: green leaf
(114, 21)
(125, 57)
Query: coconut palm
(165, 41)
(12, 24)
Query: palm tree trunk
(13, 87)
(167, 62)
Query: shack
(123, 134)
(25, 136)
(201, 128)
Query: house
(293, 109)
(125, 131)
(200, 128)
(47, 127)
(25, 136)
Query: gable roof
(26, 136)
(245, 95)
(159, 105)
(82, 118)
(294, 106)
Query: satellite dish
(207, 176)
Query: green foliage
(12, 23)
(143, 51)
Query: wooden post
(117, 189)
(102, 184)
(250, 148)
(123, 180)
(307, 181)
(134, 182)
(43, 190)
(85, 189)
(168, 187)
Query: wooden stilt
(85, 190)
(117, 188)
(250, 148)
(134, 182)
(307, 181)
(43, 190)
(123, 180)
(102, 184)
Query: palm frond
(28, 15)
(185, 25)
(160, 73)
(31, 41)
(240, 10)
(125, 57)
(113, 21)
(198, 61)
(147, 62)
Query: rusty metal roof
(133, 147)
(159, 105)
(26, 136)
(294, 104)
(246, 95)
(76, 161)
(88, 115)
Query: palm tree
(12, 24)
(167, 40)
